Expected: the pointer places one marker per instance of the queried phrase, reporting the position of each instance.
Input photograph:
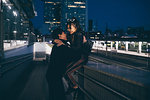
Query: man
(60, 57)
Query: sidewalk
(18, 50)
(14, 47)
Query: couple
(67, 54)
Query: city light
(15, 22)
(82, 7)
(35, 13)
(79, 3)
(49, 2)
(9, 7)
(55, 22)
(25, 34)
(72, 6)
(14, 31)
(4, 1)
(47, 22)
(32, 33)
(15, 13)
(8, 19)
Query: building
(92, 26)
(97, 35)
(57, 12)
(74, 8)
(1, 32)
(147, 35)
(52, 13)
(136, 31)
(14, 20)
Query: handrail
(103, 85)
(85, 92)
(108, 61)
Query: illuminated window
(47, 22)
(82, 7)
(72, 6)
(79, 2)
(55, 22)
(49, 2)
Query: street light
(15, 32)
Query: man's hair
(75, 22)
(56, 32)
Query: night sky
(118, 14)
(38, 20)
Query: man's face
(63, 36)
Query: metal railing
(113, 91)
(95, 82)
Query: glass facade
(56, 12)
(16, 24)
(52, 13)
(14, 21)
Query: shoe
(75, 87)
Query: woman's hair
(75, 22)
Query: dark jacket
(76, 41)
(59, 59)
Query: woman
(77, 40)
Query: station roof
(25, 6)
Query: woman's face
(71, 29)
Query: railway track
(110, 61)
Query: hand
(84, 39)
(58, 42)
